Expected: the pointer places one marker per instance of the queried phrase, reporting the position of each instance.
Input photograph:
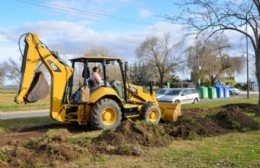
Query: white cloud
(9, 50)
(145, 13)
(3, 38)
(75, 37)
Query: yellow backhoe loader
(102, 106)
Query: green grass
(7, 103)
(252, 115)
(231, 150)
(219, 102)
(16, 124)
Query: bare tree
(212, 16)
(141, 73)
(12, 70)
(209, 62)
(2, 74)
(160, 53)
(98, 51)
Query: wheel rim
(153, 115)
(109, 116)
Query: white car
(160, 92)
(180, 95)
(233, 90)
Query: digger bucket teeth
(39, 88)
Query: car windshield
(173, 92)
(161, 91)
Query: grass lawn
(16, 124)
(220, 102)
(7, 103)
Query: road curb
(24, 111)
(23, 114)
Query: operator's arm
(98, 79)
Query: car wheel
(177, 101)
(195, 101)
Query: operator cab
(111, 73)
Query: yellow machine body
(105, 99)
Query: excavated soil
(47, 151)
(212, 122)
(129, 138)
(49, 146)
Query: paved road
(22, 114)
(243, 94)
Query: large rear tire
(150, 113)
(105, 114)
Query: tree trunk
(257, 64)
(161, 81)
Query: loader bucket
(39, 88)
(170, 111)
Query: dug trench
(55, 145)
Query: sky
(73, 26)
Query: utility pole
(247, 68)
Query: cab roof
(95, 59)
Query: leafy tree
(160, 53)
(212, 16)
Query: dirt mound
(233, 118)
(192, 128)
(244, 107)
(198, 112)
(197, 123)
(50, 150)
(138, 132)
(129, 137)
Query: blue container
(220, 91)
(226, 91)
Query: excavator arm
(36, 52)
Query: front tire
(151, 113)
(105, 114)
(195, 101)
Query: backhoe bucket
(39, 88)
(170, 111)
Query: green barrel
(212, 92)
(203, 92)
